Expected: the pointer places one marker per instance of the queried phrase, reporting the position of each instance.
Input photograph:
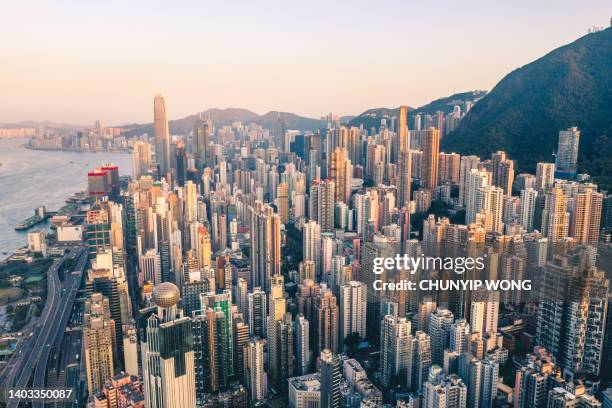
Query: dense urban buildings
(238, 266)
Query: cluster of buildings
(96, 139)
(236, 269)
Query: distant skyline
(75, 62)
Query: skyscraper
(473, 182)
(567, 153)
(162, 134)
(265, 245)
(321, 204)
(405, 178)
(353, 307)
(439, 327)
(282, 197)
(141, 159)
(545, 176)
(331, 377)
(396, 352)
(465, 168)
(431, 149)
(98, 342)
(528, 207)
(167, 352)
(341, 174)
(555, 217)
(254, 369)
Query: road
(35, 352)
(72, 283)
(18, 358)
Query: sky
(80, 61)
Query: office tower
(341, 174)
(162, 135)
(100, 279)
(98, 183)
(167, 352)
(282, 197)
(265, 245)
(429, 166)
(465, 168)
(444, 392)
(302, 344)
(221, 303)
(256, 315)
(312, 245)
(111, 174)
(180, 157)
(150, 267)
(326, 320)
(567, 153)
(438, 328)
(405, 178)
(98, 341)
(528, 207)
(585, 217)
(502, 170)
(190, 197)
(331, 378)
(202, 130)
(473, 182)
(97, 227)
(402, 142)
(489, 204)
(206, 357)
(353, 306)
(276, 312)
(141, 159)
(449, 168)
(192, 292)
(354, 145)
(545, 176)
(305, 391)
(321, 204)
(555, 217)
(396, 352)
(254, 369)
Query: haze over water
(31, 178)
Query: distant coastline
(78, 150)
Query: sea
(31, 178)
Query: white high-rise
(474, 181)
(528, 206)
(353, 306)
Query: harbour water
(31, 178)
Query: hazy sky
(77, 61)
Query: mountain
(36, 124)
(570, 86)
(222, 117)
(372, 117)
